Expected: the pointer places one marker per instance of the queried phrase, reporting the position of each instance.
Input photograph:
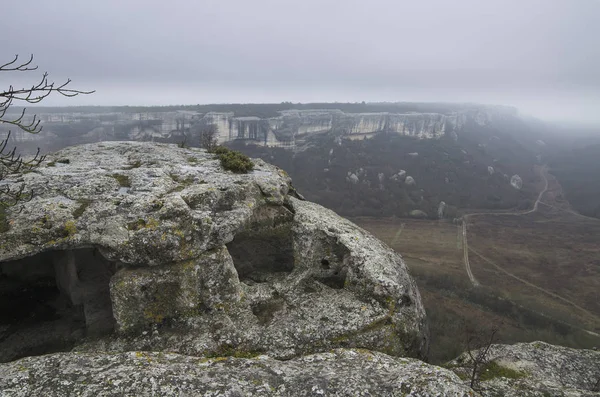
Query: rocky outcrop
(352, 178)
(336, 373)
(399, 176)
(516, 182)
(418, 214)
(441, 210)
(537, 369)
(173, 253)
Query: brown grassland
(538, 274)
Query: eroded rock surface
(337, 373)
(190, 258)
(537, 369)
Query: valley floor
(535, 273)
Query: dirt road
(466, 219)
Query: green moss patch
(135, 164)
(83, 204)
(69, 229)
(122, 179)
(4, 226)
(188, 180)
(493, 370)
(143, 224)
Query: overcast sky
(542, 56)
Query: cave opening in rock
(52, 300)
(259, 254)
(334, 257)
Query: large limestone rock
(516, 182)
(162, 245)
(537, 369)
(337, 373)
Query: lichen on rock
(205, 261)
(341, 372)
(535, 369)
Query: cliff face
(287, 130)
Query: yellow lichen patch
(211, 360)
(70, 228)
(152, 224)
(143, 355)
(151, 315)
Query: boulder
(441, 209)
(536, 369)
(490, 170)
(352, 178)
(516, 182)
(157, 247)
(399, 176)
(340, 372)
(410, 180)
(418, 214)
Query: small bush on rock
(233, 160)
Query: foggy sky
(542, 56)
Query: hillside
(374, 177)
(577, 171)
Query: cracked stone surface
(341, 372)
(203, 261)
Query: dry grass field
(539, 274)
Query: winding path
(466, 218)
(466, 250)
(466, 255)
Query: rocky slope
(536, 369)
(394, 175)
(172, 252)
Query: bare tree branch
(12, 163)
(13, 66)
(478, 345)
